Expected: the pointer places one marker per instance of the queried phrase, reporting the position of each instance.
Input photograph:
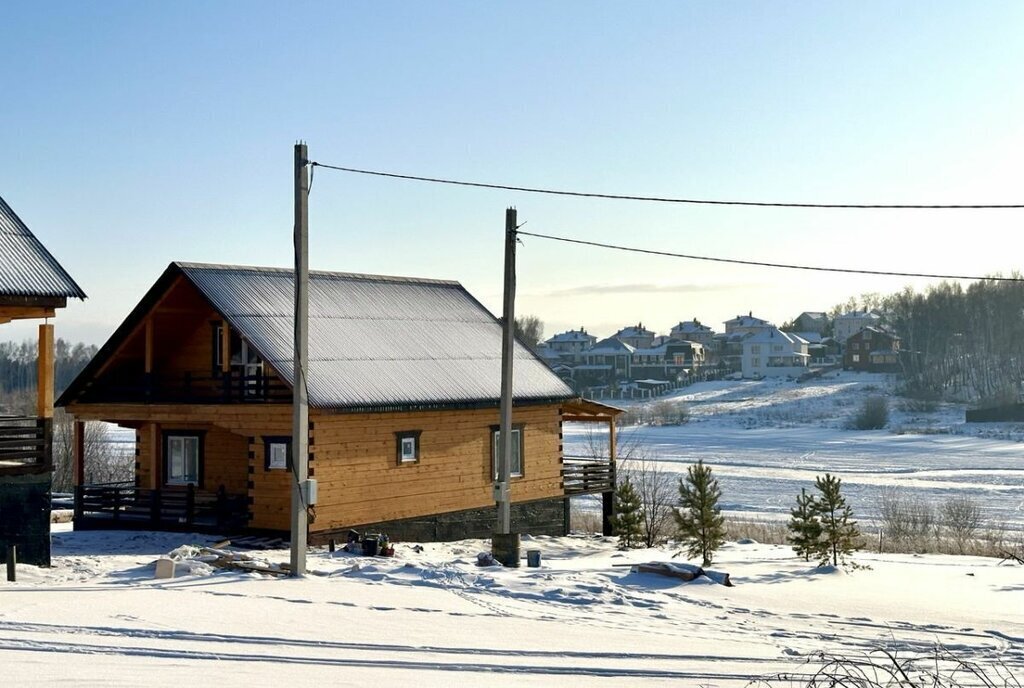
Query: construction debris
(684, 572)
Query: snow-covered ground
(766, 439)
(433, 618)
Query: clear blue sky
(134, 134)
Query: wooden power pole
(303, 490)
(505, 544)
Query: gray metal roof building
(376, 343)
(27, 269)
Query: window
(407, 446)
(856, 358)
(755, 362)
(516, 466)
(183, 458)
(277, 453)
(755, 348)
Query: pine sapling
(627, 523)
(840, 536)
(699, 520)
(805, 527)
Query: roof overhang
(588, 411)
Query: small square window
(277, 453)
(408, 446)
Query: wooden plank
(44, 389)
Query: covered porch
(582, 475)
(187, 476)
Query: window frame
(200, 437)
(277, 439)
(495, 434)
(400, 437)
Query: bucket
(533, 558)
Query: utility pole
(303, 492)
(505, 544)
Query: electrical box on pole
(303, 490)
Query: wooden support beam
(44, 385)
(78, 452)
(155, 449)
(8, 313)
(608, 498)
(149, 345)
(225, 347)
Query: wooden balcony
(125, 506)
(25, 445)
(190, 388)
(583, 475)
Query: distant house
(729, 344)
(822, 350)
(404, 384)
(571, 344)
(637, 336)
(872, 349)
(849, 324)
(33, 285)
(746, 324)
(607, 362)
(773, 353)
(694, 331)
(811, 321)
(671, 361)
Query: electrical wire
(663, 199)
(757, 263)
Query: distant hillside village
(636, 362)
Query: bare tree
(103, 462)
(962, 519)
(529, 330)
(656, 489)
(655, 486)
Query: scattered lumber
(224, 559)
(684, 572)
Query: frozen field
(766, 440)
(433, 618)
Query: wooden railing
(581, 475)
(193, 388)
(122, 505)
(25, 445)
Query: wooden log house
(33, 285)
(404, 383)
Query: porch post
(44, 387)
(608, 498)
(155, 449)
(78, 452)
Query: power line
(763, 264)
(662, 199)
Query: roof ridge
(187, 265)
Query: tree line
(18, 371)
(961, 344)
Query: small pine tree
(700, 520)
(804, 526)
(839, 533)
(627, 522)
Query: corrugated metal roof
(376, 342)
(26, 267)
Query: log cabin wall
(361, 481)
(224, 456)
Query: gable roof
(611, 345)
(773, 335)
(375, 342)
(26, 267)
